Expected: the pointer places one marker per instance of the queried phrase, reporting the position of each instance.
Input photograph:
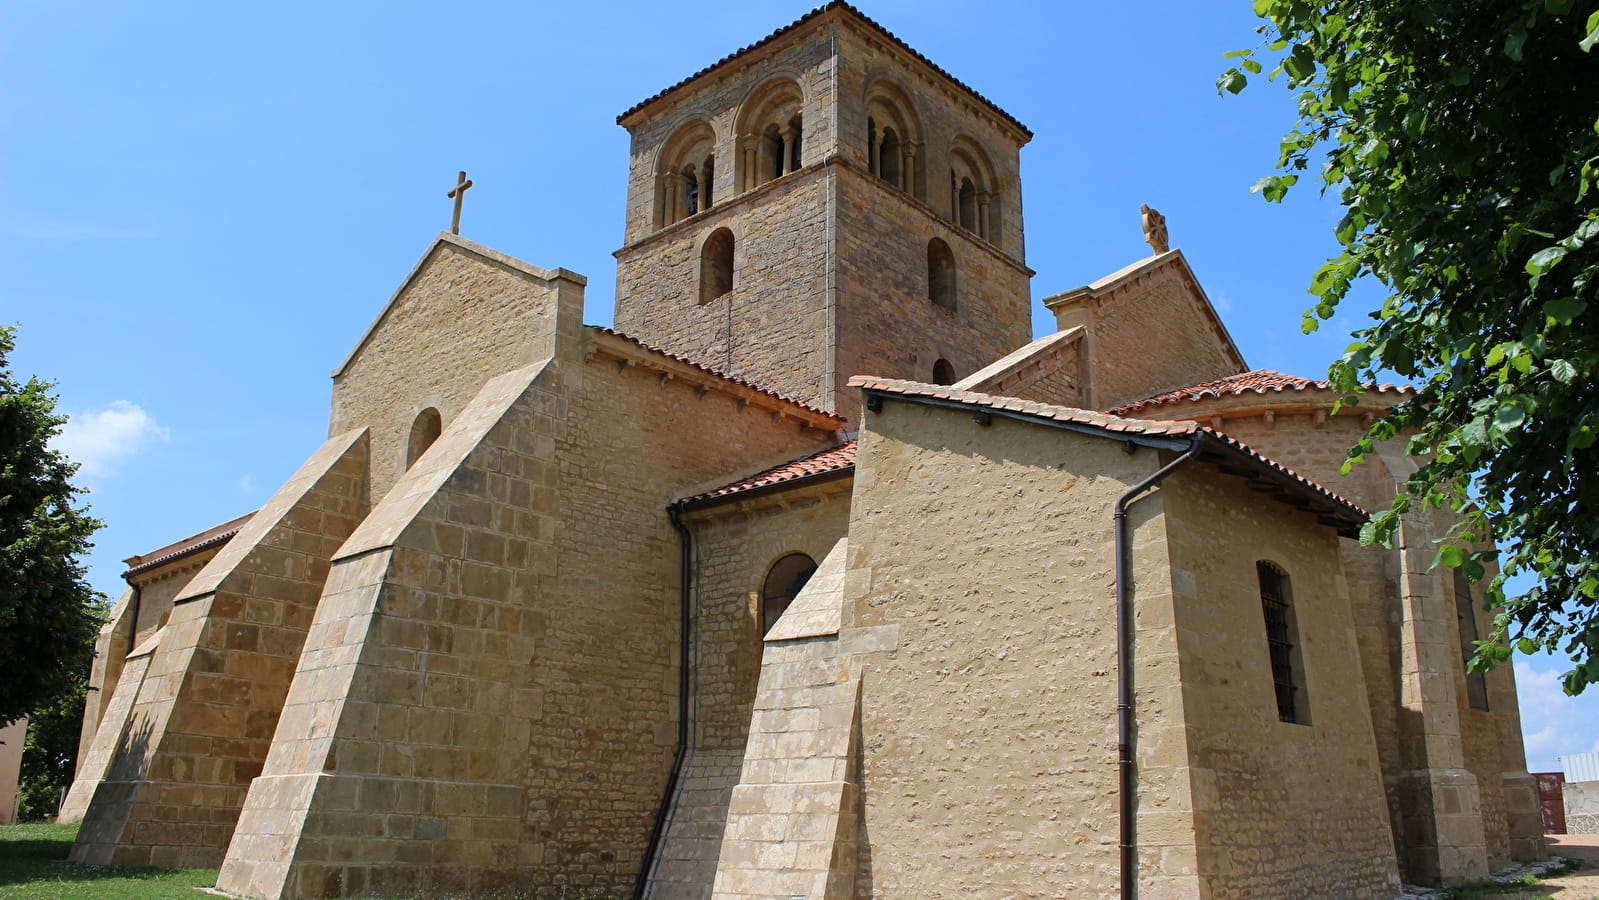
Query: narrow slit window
(1282, 639)
(940, 274)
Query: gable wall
(1147, 335)
(461, 320)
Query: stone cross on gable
(459, 191)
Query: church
(818, 575)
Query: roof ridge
(814, 14)
(1107, 421)
(711, 370)
(1258, 381)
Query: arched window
(974, 202)
(943, 372)
(889, 158)
(966, 203)
(940, 274)
(892, 136)
(783, 582)
(1282, 638)
(716, 265)
(771, 131)
(1466, 613)
(684, 175)
(424, 431)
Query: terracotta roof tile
(835, 460)
(713, 371)
(815, 13)
(1258, 381)
(1220, 444)
(211, 537)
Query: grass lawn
(33, 866)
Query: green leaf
(1232, 81)
(1510, 416)
(1449, 555)
(1564, 309)
(1527, 646)
(1545, 259)
(1563, 371)
(1593, 33)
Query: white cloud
(1551, 723)
(102, 439)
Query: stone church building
(818, 576)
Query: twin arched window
(771, 134)
(974, 190)
(893, 135)
(686, 174)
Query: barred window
(1282, 637)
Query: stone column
(791, 138)
(907, 169)
(1445, 842)
(982, 214)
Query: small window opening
(1282, 637)
(968, 205)
(940, 273)
(707, 177)
(424, 431)
(943, 372)
(1466, 613)
(716, 265)
(691, 190)
(783, 583)
(873, 160)
(889, 154)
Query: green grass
(33, 866)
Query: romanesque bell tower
(821, 204)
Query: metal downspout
(685, 571)
(1124, 674)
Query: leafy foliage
(48, 617)
(51, 750)
(1462, 138)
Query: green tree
(1462, 137)
(48, 613)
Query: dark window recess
(783, 583)
(716, 265)
(1274, 602)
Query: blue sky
(204, 204)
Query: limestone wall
(1582, 806)
(169, 774)
(941, 119)
(465, 314)
(1283, 810)
(980, 618)
(1150, 329)
(886, 324)
(772, 327)
(486, 699)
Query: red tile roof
(713, 371)
(815, 13)
(211, 537)
(837, 459)
(1230, 454)
(1259, 381)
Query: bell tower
(821, 204)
